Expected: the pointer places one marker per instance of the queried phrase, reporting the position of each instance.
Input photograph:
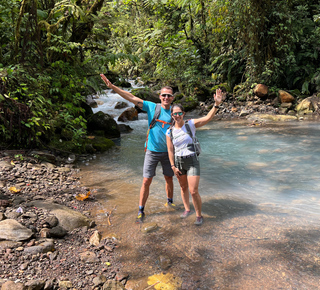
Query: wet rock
(164, 262)
(130, 114)
(120, 105)
(125, 128)
(113, 285)
(105, 123)
(149, 227)
(44, 247)
(95, 239)
(13, 231)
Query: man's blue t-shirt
(157, 135)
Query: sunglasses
(166, 95)
(177, 114)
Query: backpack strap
(188, 129)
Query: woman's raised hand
(219, 97)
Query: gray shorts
(151, 160)
(189, 165)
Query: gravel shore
(47, 237)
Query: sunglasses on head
(166, 95)
(177, 114)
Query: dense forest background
(52, 52)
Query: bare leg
(196, 199)
(144, 191)
(183, 181)
(169, 186)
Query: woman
(184, 161)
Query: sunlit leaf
(164, 282)
(82, 196)
(13, 189)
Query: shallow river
(260, 191)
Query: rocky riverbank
(47, 237)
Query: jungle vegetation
(51, 54)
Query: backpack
(155, 119)
(195, 145)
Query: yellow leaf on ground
(12, 163)
(13, 189)
(82, 196)
(165, 282)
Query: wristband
(172, 165)
(217, 107)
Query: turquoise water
(276, 163)
(260, 192)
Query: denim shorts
(151, 160)
(188, 165)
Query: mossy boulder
(189, 103)
(103, 122)
(100, 143)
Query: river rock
(120, 105)
(149, 227)
(113, 285)
(44, 247)
(6, 165)
(130, 114)
(88, 257)
(65, 284)
(68, 218)
(103, 122)
(57, 232)
(164, 262)
(14, 231)
(9, 244)
(269, 117)
(261, 91)
(10, 285)
(95, 239)
(35, 284)
(308, 105)
(99, 280)
(285, 97)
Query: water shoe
(186, 213)
(199, 221)
(140, 217)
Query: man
(156, 147)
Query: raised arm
(124, 94)
(219, 96)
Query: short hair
(168, 88)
